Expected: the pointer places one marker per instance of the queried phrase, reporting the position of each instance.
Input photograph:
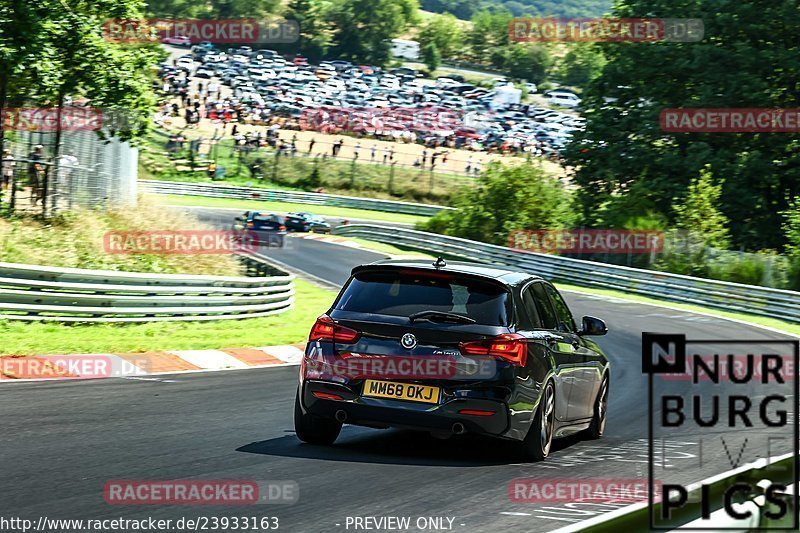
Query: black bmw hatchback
(452, 348)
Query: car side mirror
(593, 326)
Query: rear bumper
(378, 412)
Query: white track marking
(210, 359)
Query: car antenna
(440, 263)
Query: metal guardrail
(210, 190)
(29, 292)
(774, 303)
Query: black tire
(598, 425)
(314, 429)
(537, 443)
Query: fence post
(391, 177)
(14, 190)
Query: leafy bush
(522, 197)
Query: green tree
(254, 9)
(431, 56)
(174, 9)
(216, 9)
(748, 59)
(505, 199)
(489, 32)
(463, 9)
(444, 32)
(582, 64)
(79, 62)
(22, 47)
(363, 29)
(526, 61)
(699, 211)
(315, 33)
(791, 230)
(701, 229)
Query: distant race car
(269, 228)
(307, 222)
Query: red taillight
(281, 228)
(510, 347)
(476, 412)
(326, 396)
(325, 329)
(249, 224)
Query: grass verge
(76, 240)
(348, 176)
(342, 212)
(387, 248)
(41, 338)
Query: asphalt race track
(61, 442)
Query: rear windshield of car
(266, 218)
(403, 293)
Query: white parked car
(263, 75)
(186, 62)
(563, 99)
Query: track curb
(55, 367)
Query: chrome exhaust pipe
(459, 429)
(341, 415)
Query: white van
(564, 99)
(405, 49)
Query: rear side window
(562, 311)
(546, 312)
(403, 293)
(529, 302)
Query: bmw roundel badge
(408, 341)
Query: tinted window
(268, 218)
(533, 320)
(546, 312)
(402, 293)
(563, 312)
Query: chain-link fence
(357, 168)
(89, 172)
